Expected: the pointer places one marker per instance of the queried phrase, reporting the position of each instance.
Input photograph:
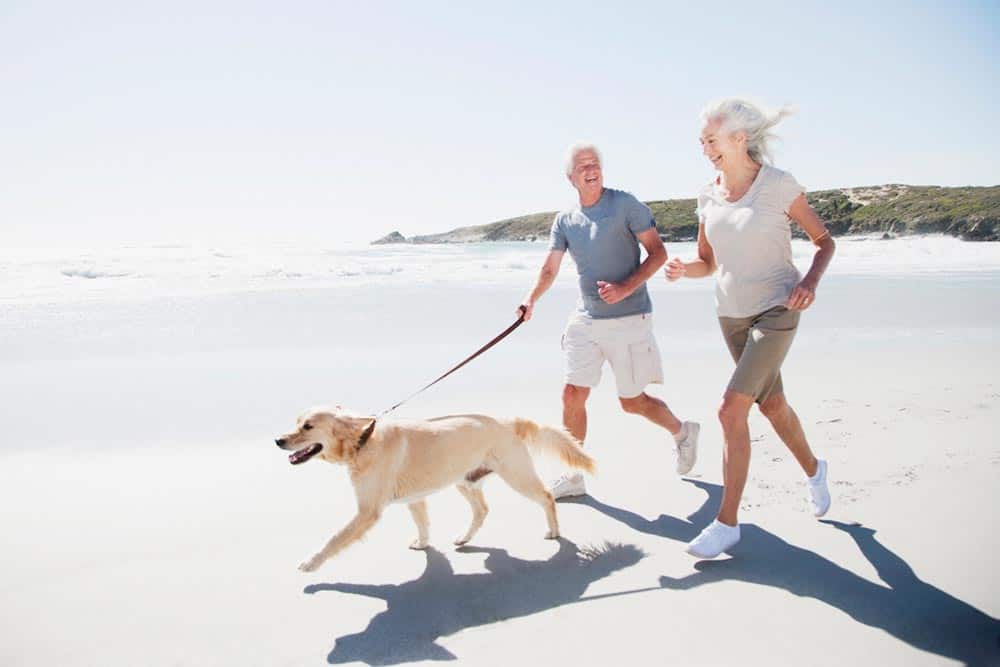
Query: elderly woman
(744, 237)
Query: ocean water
(72, 274)
(147, 347)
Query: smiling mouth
(304, 454)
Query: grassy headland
(971, 213)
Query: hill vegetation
(971, 213)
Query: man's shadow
(440, 603)
(906, 607)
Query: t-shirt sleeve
(788, 191)
(638, 216)
(557, 237)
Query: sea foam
(66, 274)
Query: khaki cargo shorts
(759, 345)
(627, 343)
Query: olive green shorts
(759, 345)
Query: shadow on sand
(440, 603)
(906, 607)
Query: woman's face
(720, 146)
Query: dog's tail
(556, 441)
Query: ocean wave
(356, 271)
(60, 273)
(93, 274)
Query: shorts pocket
(645, 362)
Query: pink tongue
(304, 454)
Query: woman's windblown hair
(740, 115)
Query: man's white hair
(739, 115)
(575, 150)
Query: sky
(328, 122)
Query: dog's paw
(463, 540)
(418, 545)
(552, 535)
(310, 565)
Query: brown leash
(367, 433)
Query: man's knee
(574, 396)
(635, 405)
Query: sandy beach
(148, 518)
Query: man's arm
(656, 256)
(547, 276)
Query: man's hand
(612, 292)
(675, 270)
(802, 296)
(527, 307)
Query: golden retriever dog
(404, 461)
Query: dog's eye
(306, 427)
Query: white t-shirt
(752, 242)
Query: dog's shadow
(440, 603)
(906, 607)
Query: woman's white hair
(575, 150)
(739, 115)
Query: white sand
(147, 518)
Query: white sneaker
(687, 449)
(819, 494)
(570, 484)
(716, 538)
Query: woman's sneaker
(570, 484)
(819, 493)
(686, 449)
(716, 538)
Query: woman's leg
(735, 454)
(788, 427)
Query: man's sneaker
(716, 538)
(819, 494)
(570, 484)
(686, 449)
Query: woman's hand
(803, 296)
(675, 270)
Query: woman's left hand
(802, 296)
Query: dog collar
(365, 435)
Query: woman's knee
(734, 410)
(774, 406)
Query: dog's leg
(474, 495)
(357, 527)
(419, 512)
(517, 469)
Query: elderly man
(613, 321)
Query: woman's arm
(699, 268)
(802, 213)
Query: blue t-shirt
(602, 241)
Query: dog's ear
(351, 429)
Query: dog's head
(332, 434)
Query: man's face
(586, 176)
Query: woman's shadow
(906, 607)
(440, 603)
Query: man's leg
(652, 409)
(575, 410)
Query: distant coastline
(970, 213)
